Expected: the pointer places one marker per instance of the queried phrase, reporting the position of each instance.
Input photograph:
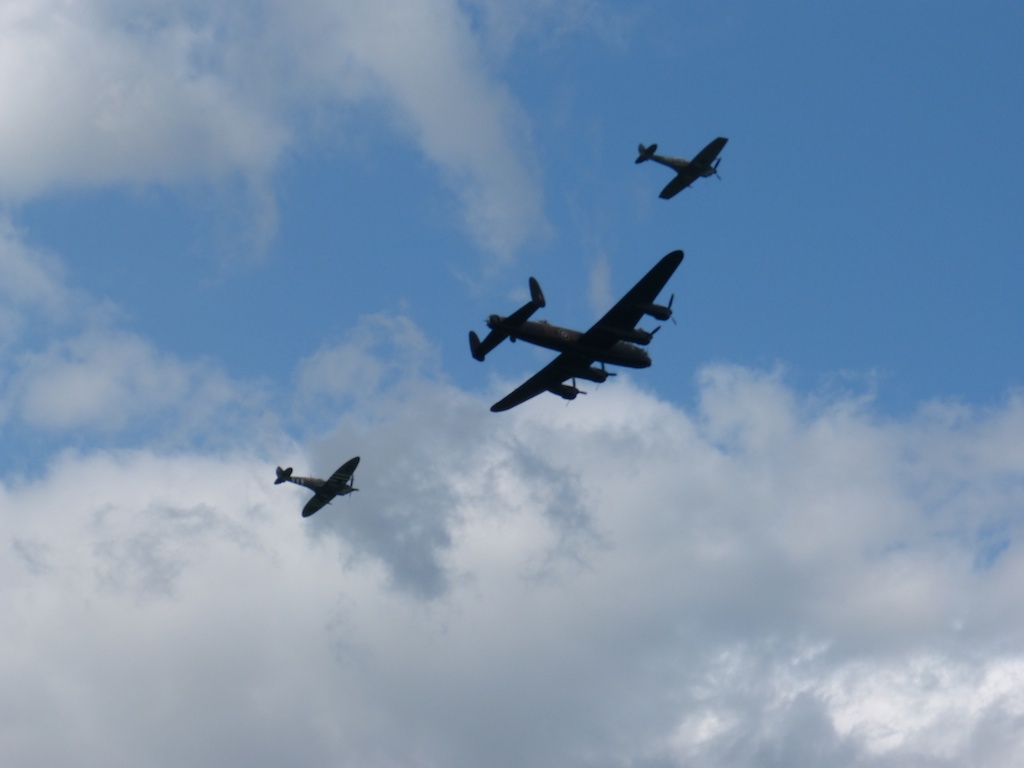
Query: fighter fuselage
(317, 485)
(313, 483)
(678, 163)
(544, 334)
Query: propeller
(608, 374)
(578, 390)
(671, 315)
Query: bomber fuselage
(544, 334)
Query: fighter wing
(341, 476)
(683, 179)
(624, 316)
(550, 378)
(314, 505)
(705, 157)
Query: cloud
(771, 579)
(104, 92)
(502, 24)
(101, 93)
(381, 352)
(31, 279)
(599, 290)
(69, 367)
(109, 380)
(425, 58)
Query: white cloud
(503, 24)
(772, 580)
(599, 291)
(104, 92)
(33, 292)
(380, 352)
(425, 58)
(69, 367)
(30, 278)
(110, 380)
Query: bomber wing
(624, 316)
(550, 378)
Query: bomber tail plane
(503, 327)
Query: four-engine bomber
(612, 340)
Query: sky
(236, 238)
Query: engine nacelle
(599, 375)
(566, 391)
(657, 311)
(637, 336)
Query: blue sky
(867, 220)
(235, 239)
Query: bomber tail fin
(476, 347)
(501, 327)
(536, 295)
(537, 301)
(646, 153)
(283, 475)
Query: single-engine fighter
(687, 171)
(324, 491)
(614, 339)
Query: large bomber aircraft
(324, 491)
(613, 339)
(687, 171)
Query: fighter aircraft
(324, 491)
(687, 171)
(613, 339)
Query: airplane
(324, 491)
(687, 171)
(613, 339)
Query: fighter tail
(646, 153)
(283, 475)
